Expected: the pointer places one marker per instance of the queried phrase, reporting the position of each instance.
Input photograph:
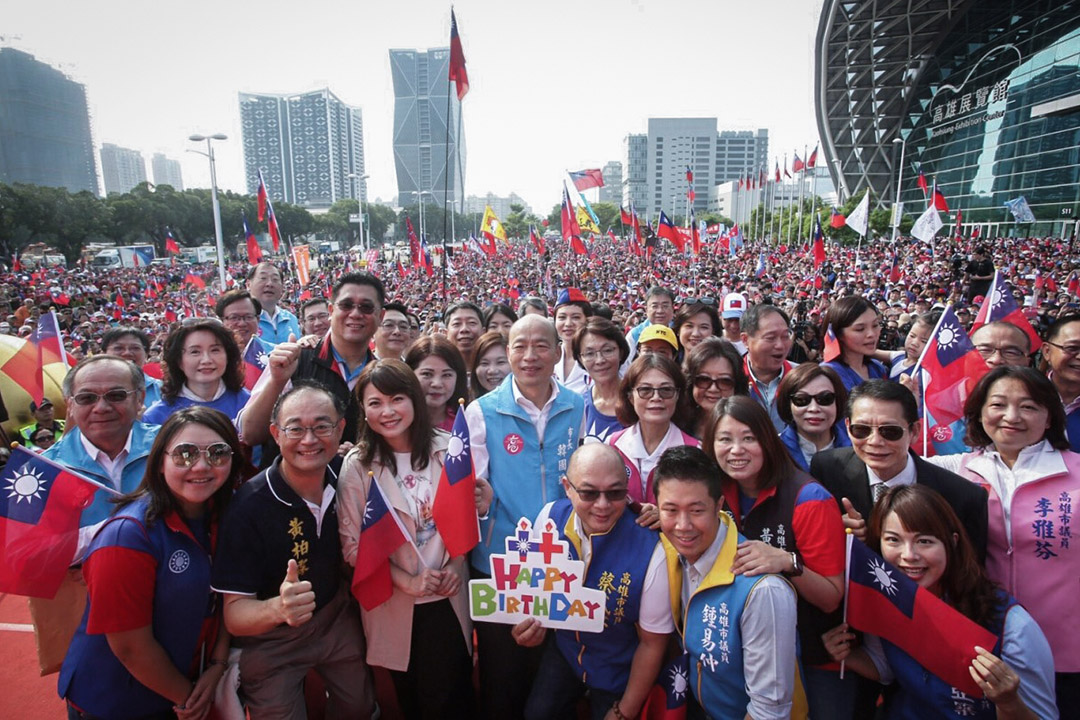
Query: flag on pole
(837, 220)
(170, 243)
(302, 262)
(812, 160)
(954, 365)
(585, 179)
(454, 510)
(491, 227)
(41, 503)
(586, 223)
(666, 229)
(777, 171)
(667, 699)
(999, 305)
(1020, 210)
(695, 234)
(923, 185)
(254, 362)
(819, 244)
(414, 242)
(44, 346)
(939, 200)
(831, 351)
(797, 165)
(894, 270)
(537, 239)
(689, 174)
(859, 218)
(263, 198)
(926, 227)
(457, 60)
(254, 252)
(885, 602)
(760, 269)
(381, 534)
(570, 231)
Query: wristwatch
(796, 566)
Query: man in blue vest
(522, 435)
(619, 665)
(737, 630)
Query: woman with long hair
(1016, 425)
(810, 401)
(490, 365)
(714, 371)
(499, 318)
(601, 349)
(440, 368)
(792, 527)
(694, 323)
(151, 642)
(856, 323)
(571, 312)
(917, 531)
(202, 366)
(422, 633)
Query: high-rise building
(499, 205)
(44, 126)
(657, 163)
(427, 138)
(612, 191)
(307, 146)
(167, 171)
(122, 168)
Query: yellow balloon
(16, 398)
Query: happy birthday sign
(537, 579)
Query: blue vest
(790, 438)
(1072, 429)
(523, 469)
(710, 627)
(925, 695)
(91, 676)
(618, 564)
(850, 378)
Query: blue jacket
(278, 331)
(230, 403)
(790, 438)
(524, 469)
(618, 564)
(850, 378)
(91, 676)
(70, 453)
(1072, 429)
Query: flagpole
(786, 195)
(802, 181)
(813, 187)
(446, 186)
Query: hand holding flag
(454, 509)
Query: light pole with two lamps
(899, 186)
(214, 198)
(360, 180)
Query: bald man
(619, 665)
(523, 434)
(1002, 343)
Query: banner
(302, 259)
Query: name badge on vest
(513, 443)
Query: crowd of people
(672, 416)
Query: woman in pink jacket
(1016, 423)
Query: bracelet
(618, 712)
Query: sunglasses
(892, 433)
(823, 399)
(113, 397)
(347, 306)
(666, 392)
(612, 496)
(704, 382)
(185, 455)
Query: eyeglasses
(295, 432)
(892, 433)
(606, 352)
(710, 302)
(704, 382)
(185, 455)
(390, 326)
(612, 496)
(666, 392)
(316, 316)
(113, 397)
(366, 307)
(824, 399)
(239, 318)
(1070, 350)
(1009, 353)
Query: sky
(554, 84)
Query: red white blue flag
(955, 366)
(457, 59)
(666, 229)
(254, 362)
(454, 509)
(380, 535)
(262, 197)
(588, 178)
(832, 345)
(667, 699)
(999, 305)
(254, 252)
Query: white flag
(859, 218)
(927, 225)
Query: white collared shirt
(113, 467)
(809, 449)
(319, 511)
(904, 477)
(186, 392)
(633, 447)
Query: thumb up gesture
(297, 599)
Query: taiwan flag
(819, 244)
(262, 198)
(457, 60)
(832, 345)
(666, 229)
(955, 366)
(999, 305)
(885, 602)
(381, 534)
(797, 165)
(923, 185)
(40, 506)
(454, 509)
(588, 178)
(192, 279)
(536, 238)
(170, 243)
(254, 362)
(254, 252)
(44, 347)
(667, 699)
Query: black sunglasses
(824, 399)
(704, 382)
(612, 496)
(892, 433)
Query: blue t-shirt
(598, 426)
(229, 403)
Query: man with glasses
(356, 309)
(659, 310)
(394, 333)
(1002, 343)
(619, 665)
(766, 332)
(278, 565)
(239, 313)
(265, 285)
(1062, 354)
(880, 419)
(104, 441)
(522, 435)
(315, 317)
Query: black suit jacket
(844, 475)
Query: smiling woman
(856, 323)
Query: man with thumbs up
(283, 524)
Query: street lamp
(420, 200)
(899, 185)
(213, 196)
(841, 190)
(360, 179)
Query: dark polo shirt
(265, 526)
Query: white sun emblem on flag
(27, 485)
(455, 447)
(883, 577)
(995, 297)
(947, 336)
(679, 682)
(367, 511)
(263, 358)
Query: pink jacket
(641, 489)
(1033, 558)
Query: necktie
(879, 489)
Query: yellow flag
(491, 226)
(585, 222)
